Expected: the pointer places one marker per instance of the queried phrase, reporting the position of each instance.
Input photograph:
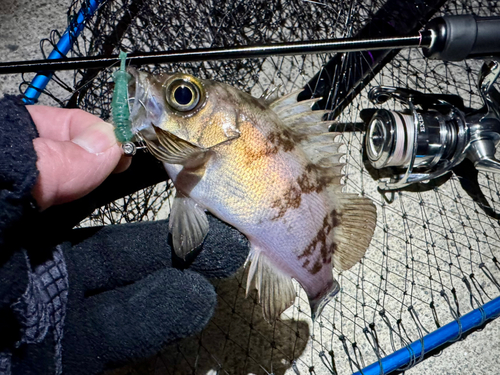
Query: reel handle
(482, 154)
(457, 38)
(488, 165)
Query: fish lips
(146, 102)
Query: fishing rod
(449, 38)
(424, 39)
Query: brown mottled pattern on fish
(284, 140)
(290, 199)
(314, 179)
(240, 158)
(320, 241)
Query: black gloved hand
(124, 299)
(80, 301)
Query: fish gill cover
(433, 257)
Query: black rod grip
(457, 38)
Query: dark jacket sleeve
(18, 175)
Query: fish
(267, 167)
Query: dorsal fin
(329, 173)
(296, 108)
(313, 127)
(321, 150)
(270, 95)
(317, 143)
(334, 168)
(299, 114)
(285, 101)
(358, 214)
(288, 106)
(321, 138)
(305, 117)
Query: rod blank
(423, 40)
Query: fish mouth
(145, 101)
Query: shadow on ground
(236, 341)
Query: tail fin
(320, 302)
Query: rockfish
(269, 168)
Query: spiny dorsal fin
(313, 127)
(285, 101)
(358, 218)
(332, 167)
(323, 137)
(188, 225)
(317, 152)
(305, 117)
(296, 108)
(276, 291)
(317, 142)
(329, 174)
(270, 94)
(300, 118)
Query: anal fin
(188, 225)
(276, 291)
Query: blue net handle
(434, 340)
(64, 45)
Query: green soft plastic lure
(119, 106)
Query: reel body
(434, 134)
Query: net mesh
(433, 256)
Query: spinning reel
(434, 134)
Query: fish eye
(183, 94)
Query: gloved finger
(135, 321)
(103, 258)
(224, 251)
(111, 256)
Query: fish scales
(231, 154)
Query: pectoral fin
(276, 291)
(188, 225)
(173, 150)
